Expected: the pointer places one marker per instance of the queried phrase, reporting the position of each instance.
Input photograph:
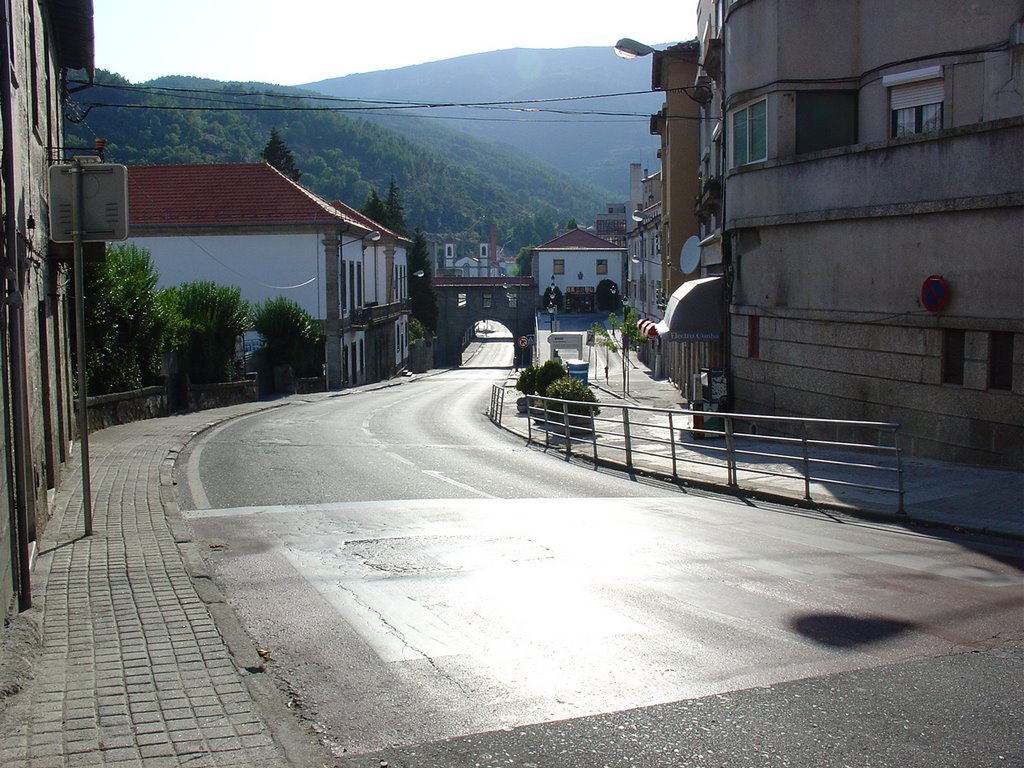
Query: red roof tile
(181, 196)
(579, 240)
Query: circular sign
(523, 342)
(934, 293)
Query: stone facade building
(41, 42)
(872, 219)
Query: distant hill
(527, 172)
(595, 148)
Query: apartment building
(863, 171)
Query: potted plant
(579, 411)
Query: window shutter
(917, 94)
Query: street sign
(934, 293)
(523, 342)
(102, 202)
(531, 340)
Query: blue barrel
(578, 369)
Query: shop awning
(648, 328)
(694, 311)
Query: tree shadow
(839, 631)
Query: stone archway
(464, 301)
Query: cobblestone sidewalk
(132, 670)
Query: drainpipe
(14, 304)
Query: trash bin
(578, 369)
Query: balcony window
(915, 101)
(825, 119)
(750, 134)
(926, 118)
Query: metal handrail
(650, 439)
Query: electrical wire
(249, 276)
(227, 101)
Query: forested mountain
(581, 110)
(450, 183)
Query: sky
(292, 42)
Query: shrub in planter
(549, 372)
(527, 381)
(575, 390)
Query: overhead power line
(239, 101)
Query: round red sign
(934, 293)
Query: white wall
(575, 263)
(262, 266)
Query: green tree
(374, 208)
(214, 316)
(124, 323)
(422, 298)
(547, 373)
(524, 261)
(417, 330)
(278, 155)
(394, 210)
(292, 337)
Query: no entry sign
(934, 293)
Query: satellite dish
(689, 255)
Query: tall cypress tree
(278, 155)
(373, 208)
(422, 299)
(395, 211)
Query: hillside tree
(278, 155)
(422, 299)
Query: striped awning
(648, 327)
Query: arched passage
(464, 301)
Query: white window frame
(746, 158)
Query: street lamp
(628, 48)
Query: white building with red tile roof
(250, 226)
(575, 263)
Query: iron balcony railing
(375, 314)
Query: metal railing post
(807, 462)
(625, 432)
(568, 434)
(672, 442)
(547, 425)
(730, 453)
(593, 434)
(899, 472)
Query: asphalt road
(433, 593)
